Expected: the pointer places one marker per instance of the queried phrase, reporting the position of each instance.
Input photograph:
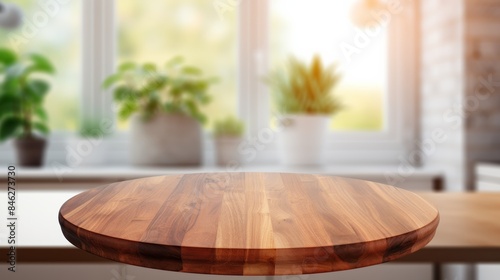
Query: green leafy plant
(92, 128)
(147, 89)
(22, 93)
(305, 89)
(230, 126)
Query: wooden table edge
(402, 245)
(68, 255)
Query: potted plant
(22, 115)
(302, 94)
(228, 135)
(164, 107)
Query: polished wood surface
(467, 213)
(469, 230)
(249, 223)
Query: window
(379, 80)
(53, 29)
(305, 28)
(156, 31)
(237, 41)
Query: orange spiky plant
(301, 88)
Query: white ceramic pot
(226, 149)
(166, 140)
(303, 139)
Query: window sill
(427, 179)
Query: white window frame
(99, 50)
(99, 37)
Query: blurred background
(407, 94)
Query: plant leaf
(190, 70)
(304, 88)
(127, 66)
(111, 80)
(10, 86)
(127, 109)
(41, 127)
(204, 99)
(35, 91)
(9, 127)
(147, 89)
(149, 67)
(175, 61)
(7, 57)
(123, 93)
(9, 104)
(39, 87)
(230, 126)
(41, 114)
(41, 64)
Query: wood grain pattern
(249, 223)
(472, 220)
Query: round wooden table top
(249, 223)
